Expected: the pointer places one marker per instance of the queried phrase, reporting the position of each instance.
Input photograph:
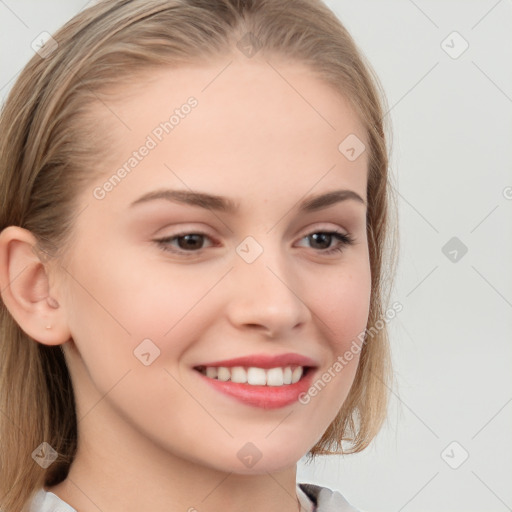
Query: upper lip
(265, 361)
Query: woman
(193, 246)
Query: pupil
(190, 242)
(323, 238)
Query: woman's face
(232, 265)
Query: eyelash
(343, 238)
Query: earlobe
(25, 288)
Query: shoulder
(46, 501)
(326, 500)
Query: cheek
(115, 308)
(344, 302)
(170, 304)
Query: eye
(186, 243)
(189, 244)
(322, 240)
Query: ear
(25, 288)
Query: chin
(259, 457)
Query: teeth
(223, 373)
(238, 374)
(275, 377)
(255, 376)
(297, 374)
(211, 372)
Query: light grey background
(452, 123)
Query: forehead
(253, 123)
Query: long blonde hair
(48, 139)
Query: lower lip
(265, 397)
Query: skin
(157, 437)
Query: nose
(267, 297)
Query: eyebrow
(226, 205)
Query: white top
(312, 498)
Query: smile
(260, 380)
(254, 376)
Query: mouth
(267, 382)
(254, 376)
